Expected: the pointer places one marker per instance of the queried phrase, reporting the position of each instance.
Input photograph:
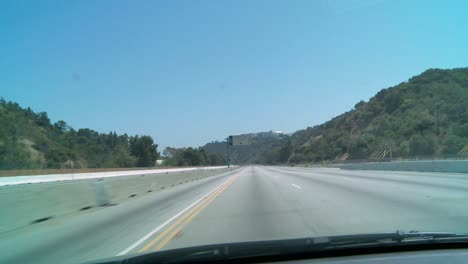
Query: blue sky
(189, 72)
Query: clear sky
(189, 72)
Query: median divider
(455, 166)
(25, 204)
(91, 175)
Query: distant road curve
(91, 175)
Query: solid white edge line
(141, 240)
(299, 187)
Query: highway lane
(252, 203)
(274, 203)
(101, 232)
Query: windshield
(130, 127)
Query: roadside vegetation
(423, 118)
(191, 157)
(29, 140)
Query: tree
(144, 149)
(452, 145)
(122, 157)
(42, 119)
(169, 152)
(421, 146)
(61, 126)
(215, 159)
(392, 101)
(360, 104)
(56, 158)
(190, 157)
(285, 151)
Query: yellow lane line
(193, 211)
(175, 232)
(167, 230)
(155, 240)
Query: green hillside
(28, 140)
(425, 117)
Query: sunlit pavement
(252, 203)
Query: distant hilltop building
(270, 133)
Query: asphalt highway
(248, 204)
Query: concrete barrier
(91, 175)
(23, 204)
(460, 166)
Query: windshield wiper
(237, 252)
(389, 238)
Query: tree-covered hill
(28, 140)
(425, 117)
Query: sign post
(228, 143)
